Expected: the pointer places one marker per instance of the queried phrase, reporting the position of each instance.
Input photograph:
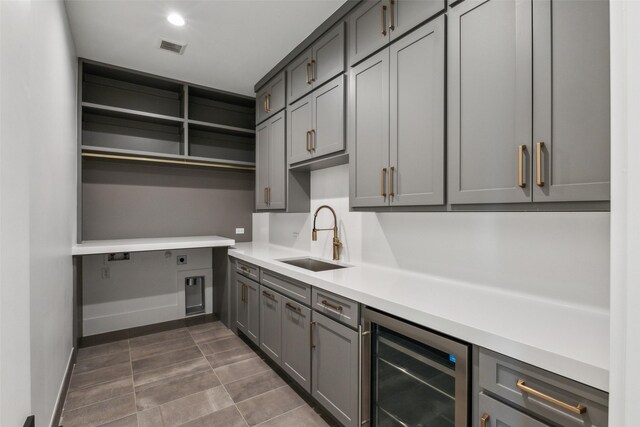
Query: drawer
(497, 414)
(336, 307)
(295, 290)
(541, 392)
(249, 270)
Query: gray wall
(128, 200)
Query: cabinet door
(328, 118)
(252, 293)
(368, 28)
(296, 352)
(241, 303)
(261, 104)
(498, 414)
(408, 14)
(277, 162)
(490, 101)
(277, 94)
(300, 125)
(571, 100)
(334, 368)
(262, 164)
(271, 323)
(328, 56)
(417, 117)
(369, 131)
(299, 76)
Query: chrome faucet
(336, 242)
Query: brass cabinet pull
(483, 420)
(264, 196)
(308, 141)
(539, 179)
(521, 179)
(311, 343)
(269, 295)
(391, 193)
(383, 18)
(313, 140)
(577, 409)
(383, 193)
(392, 24)
(246, 293)
(331, 306)
(264, 104)
(293, 308)
(268, 103)
(308, 77)
(313, 70)
(243, 268)
(269, 196)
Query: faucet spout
(336, 241)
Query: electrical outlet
(239, 230)
(182, 259)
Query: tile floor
(202, 375)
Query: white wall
(563, 256)
(38, 206)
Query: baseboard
(62, 393)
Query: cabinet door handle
(313, 70)
(293, 308)
(521, 178)
(391, 171)
(313, 140)
(269, 295)
(269, 103)
(269, 196)
(264, 104)
(312, 325)
(383, 19)
(308, 74)
(576, 409)
(264, 196)
(383, 183)
(392, 19)
(331, 306)
(309, 141)
(539, 178)
(483, 420)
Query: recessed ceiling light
(176, 19)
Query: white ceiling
(231, 44)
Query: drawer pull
(331, 306)
(293, 308)
(243, 268)
(539, 178)
(269, 295)
(483, 420)
(577, 409)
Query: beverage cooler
(412, 376)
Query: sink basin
(312, 264)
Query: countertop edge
(96, 247)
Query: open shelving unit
(131, 116)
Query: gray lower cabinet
(334, 368)
(271, 164)
(316, 123)
(248, 308)
(271, 98)
(396, 120)
(496, 414)
(271, 323)
(296, 350)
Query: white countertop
(569, 340)
(92, 247)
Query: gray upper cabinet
(490, 101)
(334, 362)
(407, 14)
(296, 352)
(571, 100)
(317, 122)
(417, 119)
(248, 308)
(271, 98)
(317, 65)
(271, 323)
(271, 164)
(369, 131)
(396, 122)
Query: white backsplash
(558, 255)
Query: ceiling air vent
(172, 47)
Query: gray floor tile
(166, 359)
(207, 326)
(150, 418)
(87, 396)
(230, 356)
(99, 376)
(101, 412)
(130, 421)
(99, 362)
(164, 391)
(140, 352)
(224, 344)
(194, 406)
(228, 417)
(179, 369)
(102, 350)
(302, 416)
(254, 385)
(211, 335)
(158, 337)
(269, 405)
(239, 370)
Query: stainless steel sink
(312, 264)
